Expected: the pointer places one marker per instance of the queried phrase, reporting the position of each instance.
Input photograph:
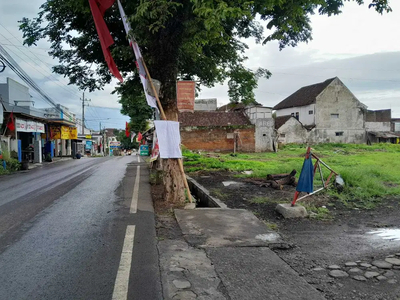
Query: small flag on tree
(139, 137)
(10, 123)
(127, 129)
(133, 134)
(151, 101)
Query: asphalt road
(69, 230)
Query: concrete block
(288, 211)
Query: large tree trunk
(174, 188)
(173, 180)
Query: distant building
(395, 125)
(329, 110)
(205, 104)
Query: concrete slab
(257, 273)
(208, 227)
(187, 272)
(289, 212)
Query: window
(282, 135)
(334, 116)
(310, 112)
(339, 133)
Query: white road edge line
(122, 281)
(135, 194)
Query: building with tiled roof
(328, 110)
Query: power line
(57, 81)
(25, 77)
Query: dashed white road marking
(135, 194)
(138, 159)
(122, 280)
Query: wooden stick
(165, 118)
(154, 90)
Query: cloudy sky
(360, 47)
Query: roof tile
(304, 96)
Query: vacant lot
(342, 227)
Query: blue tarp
(306, 179)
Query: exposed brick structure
(219, 138)
(217, 131)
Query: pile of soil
(318, 244)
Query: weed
(260, 200)
(318, 213)
(271, 226)
(218, 194)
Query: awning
(384, 134)
(61, 122)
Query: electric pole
(83, 110)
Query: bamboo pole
(165, 118)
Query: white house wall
(304, 116)
(258, 112)
(292, 132)
(205, 104)
(17, 91)
(348, 127)
(264, 133)
(4, 92)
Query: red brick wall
(215, 138)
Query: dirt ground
(318, 244)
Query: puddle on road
(387, 234)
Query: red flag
(139, 137)
(127, 129)
(10, 123)
(98, 7)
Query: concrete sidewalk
(226, 254)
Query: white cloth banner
(151, 101)
(133, 134)
(169, 139)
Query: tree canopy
(202, 40)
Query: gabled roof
(279, 121)
(232, 106)
(213, 118)
(304, 96)
(237, 106)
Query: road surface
(79, 229)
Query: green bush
(12, 164)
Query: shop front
(29, 140)
(62, 140)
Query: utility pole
(83, 110)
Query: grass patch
(218, 194)
(318, 213)
(370, 172)
(271, 226)
(260, 200)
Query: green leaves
(191, 39)
(134, 104)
